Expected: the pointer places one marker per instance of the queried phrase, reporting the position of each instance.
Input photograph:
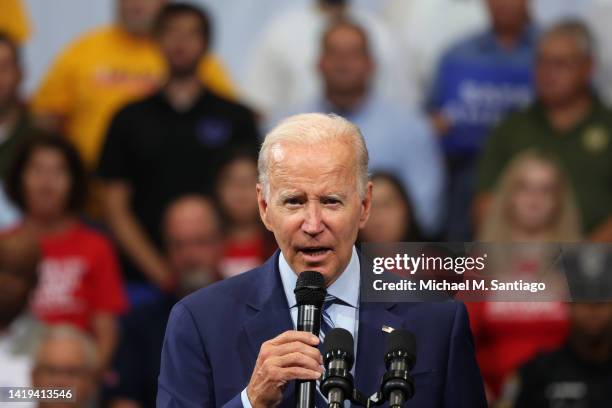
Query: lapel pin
(387, 329)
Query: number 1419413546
(14, 394)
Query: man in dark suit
(234, 343)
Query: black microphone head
(401, 342)
(339, 341)
(310, 289)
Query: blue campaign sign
(477, 85)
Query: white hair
(309, 129)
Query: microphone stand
(376, 399)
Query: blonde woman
(533, 204)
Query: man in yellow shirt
(104, 70)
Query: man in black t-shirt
(167, 145)
(579, 374)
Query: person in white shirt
(283, 63)
(598, 19)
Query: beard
(184, 71)
(194, 279)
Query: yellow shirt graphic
(101, 72)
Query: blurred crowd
(128, 176)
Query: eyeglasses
(559, 63)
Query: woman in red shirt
(533, 203)
(247, 243)
(79, 277)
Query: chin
(322, 269)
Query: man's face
(345, 63)
(138, 16)
(194, 246)
(314, 208)
(508, 15)
(183, 44)
(62, 363)
(10, 77)
(562, 70)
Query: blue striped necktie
(326, 322)
(326, 325)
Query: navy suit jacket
(214, 335)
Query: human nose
(313, 222)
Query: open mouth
(315, 251)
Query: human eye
(292, 201)
(331, 201)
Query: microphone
(338, 357)
(310, 293)
(400, 356)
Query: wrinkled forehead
(330, 163)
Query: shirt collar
(323, 105)
(161, 98)
(345, 288)
(538, 110)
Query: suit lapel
(269, 313)
(370, 365)
(268, 306)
